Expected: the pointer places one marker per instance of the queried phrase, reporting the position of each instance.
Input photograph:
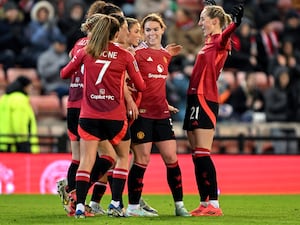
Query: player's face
(123, 33)
(153, 33)
(134, 36)
(205, 23)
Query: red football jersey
(103, 90)
(76, 82)
(153, 65)
(209, 64)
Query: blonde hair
(104, 31)
(215, 11)
(131, 21)
(95, 7)
(153, 17)
(90, 22)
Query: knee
(170, 159)
(142, 158)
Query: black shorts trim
(101, 129)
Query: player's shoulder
(82, 42)
(142, 46)
(118, 48)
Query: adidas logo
(149, 59)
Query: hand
(209, 2)
(173, 49)
(173, 109)
(132, 109)
(237, 13)
(132, 50)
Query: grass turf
(238, 210)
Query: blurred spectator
(143, 8)
(288, 57)
(284, 6)
(224, 89)
(294, 99)
(26, 7)
(276, 99)
(185, 32)
(71, 21)
(194, 6)
(18, 128)
(2, 2)
(244, 52)
(177, 85)
(292, 28)
(49, 64)
(12, 39)
(246, 100)
(277, 110)
(268, 25)
(265, 9)
(127, 7)
(41, 32)
(267, 44)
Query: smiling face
(206, 23)
(134, 36)
(153, 34)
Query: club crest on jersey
(160, 68)
(77, 79)
(102, 91)
(140, 135)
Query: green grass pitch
(238, 210)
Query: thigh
(191, 138)
(88, 152)
(122, 150)
(168, 150)
(203, 138)
(106, 148)
(142, 152)
(75, 148)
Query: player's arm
(134, 73)
(131, 107)
(75, 63)
(236, 14)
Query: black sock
(135, 183)
(110, 179)
(98, 192)
(206, 178)
(82, 186)
(101, 166)
(71, 175)
(175, 181)
(118, 184)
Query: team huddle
(117, 103)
